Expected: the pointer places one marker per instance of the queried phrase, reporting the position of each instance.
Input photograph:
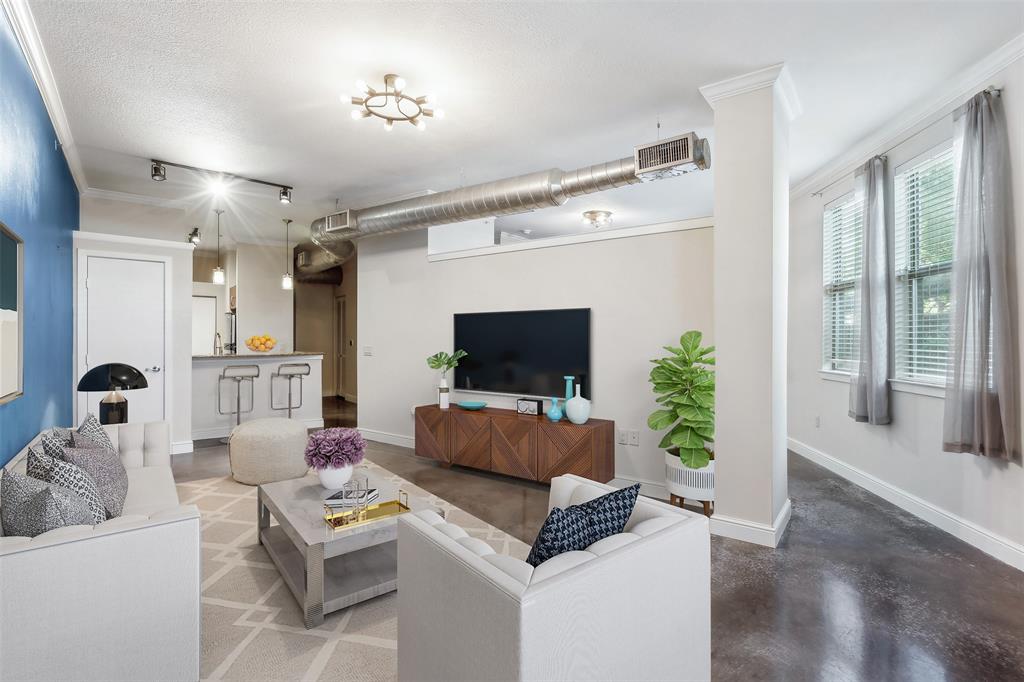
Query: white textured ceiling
(252, 88)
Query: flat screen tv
(524, 353)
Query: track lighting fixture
(392, 104)
(217, 183)
(194, 237)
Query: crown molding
(943, 100)
(24, 26)
(755, 80)
(111, 195)
(79, 235)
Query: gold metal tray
(350, 518)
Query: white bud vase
(577, 409)
(335, 478)
(443, 393)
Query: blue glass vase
(555, 413)
(568, 387)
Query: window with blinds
(843, 231)
(924, 190)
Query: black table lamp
(115, 377)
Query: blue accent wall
(39, 202)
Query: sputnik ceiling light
(216, 181)
(287, 282)
(392, 104)
(597, 218)
(218, 272)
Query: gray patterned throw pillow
(92, 428)
(76, 480)
(38, 464)
(53, 444)
(31, 507)
(106, 470)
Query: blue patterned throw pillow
(581, 525)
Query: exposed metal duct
(542, 189)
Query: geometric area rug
(252, 627)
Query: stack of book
(352, 498)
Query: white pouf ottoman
(267, 450)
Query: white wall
(263, 306)
(644, 291)
(980, 499)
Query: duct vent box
(674, 156)
(338, 221)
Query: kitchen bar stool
(288, 372)
(238, 374)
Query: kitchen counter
(269, 398)
(249, 356)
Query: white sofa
(116, 601)
(633, 606)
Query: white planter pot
(335, 479)
(690, 484)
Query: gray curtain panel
(869, 383)
(982, 411)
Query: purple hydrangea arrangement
(335, 448)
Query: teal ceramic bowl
(471, 404)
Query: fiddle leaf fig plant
(444, 362)
(685, 389)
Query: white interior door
(204, 324)
(125, 322)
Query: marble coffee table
(328, 569)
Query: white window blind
(925, 216)
(843, 231)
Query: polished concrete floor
(857, 590)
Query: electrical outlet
(634, 438)
(368, 351)
(621, 437)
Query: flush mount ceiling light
(216, 181)
(194, 237)
(597, 218)
(392, 104)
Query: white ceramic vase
(443, 393)
(335, 478)
(577, 409)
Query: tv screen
(524, 353)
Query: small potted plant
(444, 363)
(685, 389)
(333, 453)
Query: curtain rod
(992, 90)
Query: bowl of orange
(260, 344)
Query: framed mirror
(12, 314)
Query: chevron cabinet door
(514, 447)
(564, 449)
(432, 433)
(471, 440)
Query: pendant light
(287, 282)
(218, 272)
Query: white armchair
(632, 606)
(115, 601)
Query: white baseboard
(1004, 549)
(648, 488)
(389, 438)
(181, 447)
(222, 431)
(751, 531)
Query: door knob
(153, 369)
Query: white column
(751, 166)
